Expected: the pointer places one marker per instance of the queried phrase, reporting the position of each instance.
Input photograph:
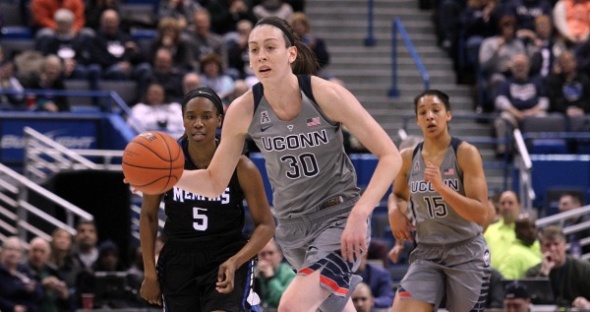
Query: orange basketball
(153, 162)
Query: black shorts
(187, 279)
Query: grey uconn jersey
(436, 221)
(305, 159)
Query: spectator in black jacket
(568, 89)
(113, 49)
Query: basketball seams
(150, 164)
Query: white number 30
(200, 220)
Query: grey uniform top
(436, 221)
(304, 157)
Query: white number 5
(200, 220)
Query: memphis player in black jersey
(206, 262)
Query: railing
(398, 27)
(45, 158)
(112, 101)
(525, 166)
(370, 39)
(15, 208)
(560, 218)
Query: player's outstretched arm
(211, 182)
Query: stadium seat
(545, 126)
(80, 103)
(127, 89)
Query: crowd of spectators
(55, 275)
(96, 41)
(489, 43)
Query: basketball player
(442, 183)
(296, 121)
(206, 262)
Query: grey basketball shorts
(458, 272)
(312, 242)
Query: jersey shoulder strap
(258, 92)
(305, 85)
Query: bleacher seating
(553, 123)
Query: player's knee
(288, 305)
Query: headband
(277, 24)
(209, 94)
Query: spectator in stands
(273, 273)
(237, 52)
(526, 11)
(225, 14)
(19, 292)
(120, 57)
(190, 81)
(524, 252)
(568, 89)
(518, 97)
(85, 248)
(95, 10)
(582, 53)
(43, 11)
(183, 11)
(570, 277)
(501, 235)
(9, 83)
(447, 23)
(572, 20)
(496, 54)
(108, 258)
(169, 36)
(204, 42)
(302, 28)
(479, 20)
(56, 293)
(277, 8)
(62, 256)
(165, 73)
(213, 76)
(71, 47)
(156, 113)
(543, 46)
(379, 281)
(362, 298)
(569, 202)
(240, 87)
(50, 78)
(516, 298)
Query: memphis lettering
(295, 141)
(181, 195)
(426, 187)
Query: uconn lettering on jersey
(425, 187)
(295, 141)
(181, 195)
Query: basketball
(153, 162)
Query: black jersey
(192, 218)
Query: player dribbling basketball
(205, 264)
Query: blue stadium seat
(16, 32)
(545, 127)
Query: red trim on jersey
(404, 294)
